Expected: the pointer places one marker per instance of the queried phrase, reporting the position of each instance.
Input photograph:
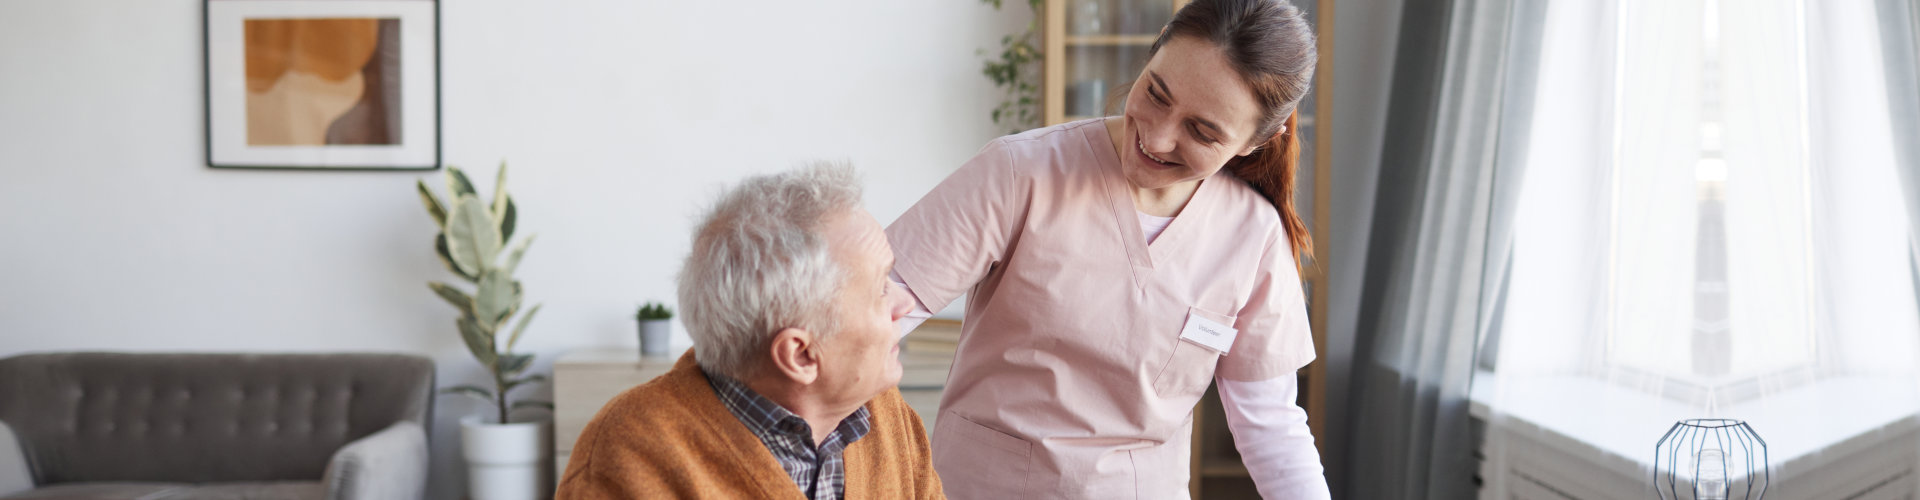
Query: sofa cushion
(286, 490)
(104, 491)
(201, 418)
(101, 491)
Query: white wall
(619, 118)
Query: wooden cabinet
(1092, 49)
(584, 380)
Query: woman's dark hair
(1272, 46)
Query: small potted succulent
(655, 330)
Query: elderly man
(790, 389)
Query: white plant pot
(506, 461)
(654, 336)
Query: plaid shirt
(820, 472)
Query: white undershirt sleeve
(918, 315)
(1271, 432)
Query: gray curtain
(1450, 170)
(1900, 48)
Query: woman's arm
(1272, 435)
(948, 241)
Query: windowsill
(1616, 427)
(1726, 391)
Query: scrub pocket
(1190, 368)
(975, 461)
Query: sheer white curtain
(1712, 225)
(1865, 237)
(1900, 45)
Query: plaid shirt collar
(819, 471)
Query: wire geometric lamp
(1711, 459)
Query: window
(1710, 199)
(1709, 272)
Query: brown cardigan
(672, 438)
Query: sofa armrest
(15, 477)
(391, 463)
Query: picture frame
(322, 84)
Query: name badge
(1208, 333)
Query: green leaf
(457, 183)
(434, 207)
(507, 220)
(530, 379)
(514, 339)
(494, 299)
(518, 295)
(513, 364)
(446, 257)
(478, 341)
(513, 307)
(478, 392)
(453, 296)
(519, 250)
(472, 238)
(533, 404)
(500, 191)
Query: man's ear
(796, 355)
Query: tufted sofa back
(85, 417)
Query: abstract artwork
(323, 84)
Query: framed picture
(323, 84)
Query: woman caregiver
(1117, 265)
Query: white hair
(760, 264)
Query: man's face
(862, 360)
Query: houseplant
(504, 458)
(1017, 70)
(655, 328)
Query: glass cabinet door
(1101, 47)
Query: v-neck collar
(1120, 201)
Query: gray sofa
(214, 426)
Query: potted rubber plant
(505, 458)
(656, 328)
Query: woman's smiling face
(1188, 114)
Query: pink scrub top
(1073, 378)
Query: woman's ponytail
(1270, 170)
